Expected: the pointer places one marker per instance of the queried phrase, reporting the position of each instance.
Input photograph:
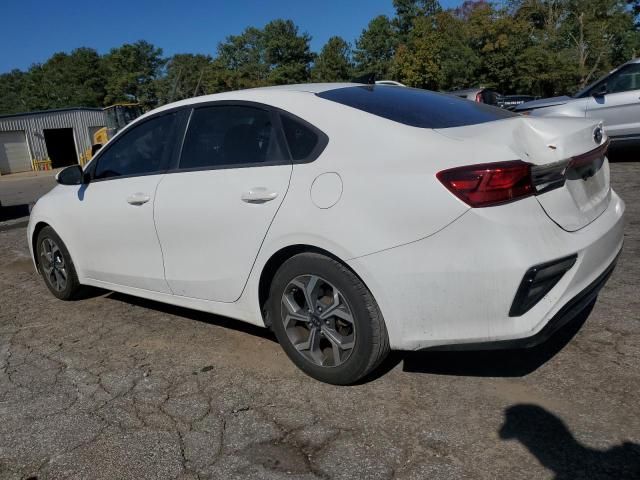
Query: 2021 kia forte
(351, 219)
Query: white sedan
(351, 219)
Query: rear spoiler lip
(590, 156)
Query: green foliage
(274, 55)
(12, 95)
(241, 62)
(409, 10)
(287, 54)
(183, 78)
(539, 47)
(334, 62)
(132, 70)
(74, 79)
(376, 47)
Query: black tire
(371, 342)
(72, 286)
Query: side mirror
(600, 91)
(95, 147)
(72, 175)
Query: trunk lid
(569, 166)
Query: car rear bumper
(566, 314)
(456, 287)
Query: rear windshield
(415, 107)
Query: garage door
(14, 154)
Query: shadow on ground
(11, 212)
(209, 318)
(495, 363)
(550, 441)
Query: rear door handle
(138, 199)
(258, 195)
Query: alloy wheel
(318, 320)
(53, 264)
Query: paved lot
(116, 387)
(19, 192)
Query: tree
(602, 35)
(240, 62)
(376, 47)
(12, 87)
(287, 53)
(408, 10)
(64, 80)
(334, 62)
(183, 77)
(75, 79)
(132, 71)
(437, 54)
(417, 61)
(275, 55)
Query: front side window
(229, 136)
(145, 149)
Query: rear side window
(301, 139)
(415, 107)
(229, 136)
(142, 150)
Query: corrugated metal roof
(53, 110)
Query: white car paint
(441, 272)
(211, 259)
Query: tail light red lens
(489, 184)
(479, 98)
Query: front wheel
(326, 320)
(55, 265)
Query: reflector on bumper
(537, 282)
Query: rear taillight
(479, 98)
(489, 184)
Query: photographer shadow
(554, 446)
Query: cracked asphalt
(112, 386)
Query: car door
(619, 108)
(213, 213)
(114, 211)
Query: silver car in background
(480, 95)
(614, 99)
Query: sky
(33, 30)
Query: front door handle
(138, 199)
(258, 195)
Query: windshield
(415, 107)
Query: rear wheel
(55, 265)
(326, 319)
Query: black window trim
(181, 133)
(589, 89)
(235, 103)
(321, 144)
(181, 124)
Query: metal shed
(46, 139)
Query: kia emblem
(597, 135)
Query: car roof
(254, 94)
